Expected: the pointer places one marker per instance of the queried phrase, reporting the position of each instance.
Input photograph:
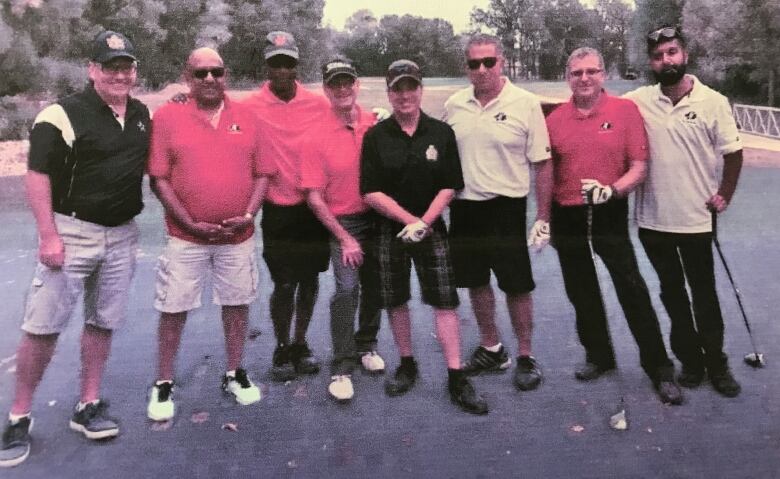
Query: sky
(454, 11)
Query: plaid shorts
(432, 263)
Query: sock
(15, 418)
(231, 373)
(408, 362)
(494, 349)
(163, 381)
(81, 405)
(454, 376)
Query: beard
(670, 75)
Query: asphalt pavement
(559, 430)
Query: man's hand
(380, 114)
(351, 252)
(413, 232)
(51, 251)
(539, 236)
(717, 203)
(233, 225)
(594, 193)
(208, 231)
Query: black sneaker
(669, 392)
(93, 421)
(16, 442)
(282, 368)
(402, 381)
(590, 371)
(724, 382)
(462, 393)
(303, 360)
(690, 378)
(484, 361)
(528, 376)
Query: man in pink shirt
(330, 174)
(599, 151)
(295, 243)
(206, 169)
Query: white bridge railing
(758, 120)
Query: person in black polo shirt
(409, 171)
(86, 163)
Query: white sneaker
(241, 388)
(161, 406)
(341, 387)
(373, 362)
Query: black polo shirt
(95, 165)
(410, 169)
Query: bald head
(204, 56)
(205, 75)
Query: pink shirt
(332, 163)
(212, 170)
(600, 145)
(285, 127)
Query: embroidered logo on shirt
(431, 154)
(500, 116)
(606, 126)
(234, 128)
(141, 126)
(690, 115)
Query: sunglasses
(590, 72)
(114, 68)
(202, 73)
(474, 63)
(282, 61)
(665, 32)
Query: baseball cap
(403, 69)
(109, 45)
(280, 43)
(338, 66)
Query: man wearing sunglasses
(693, 139)
(500, 130)
(86, 163)
(295, 243)
(206, 169)
(409, 172)
(599, 152)
(330, 175)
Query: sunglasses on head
(474, 63)
(282, 61)
(202, 73)
(665, 32)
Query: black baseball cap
(338, 66)
(280, 43)
(109, 45)
(403, 69)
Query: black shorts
(490, 235)
(295, 243)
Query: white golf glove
(594, 193)
(413, 232)
(380, 114)
(539, 236)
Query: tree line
(43, 43)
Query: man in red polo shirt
(599, 151)
(295, 243)
(207, 172)
(330, 174)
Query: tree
(652, 14)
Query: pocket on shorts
(163, 278)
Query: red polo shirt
(285, 128)
(600, 145)
(332, 163)
(212, 170)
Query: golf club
(619, 420)
(754, 359)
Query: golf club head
(755, 360)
